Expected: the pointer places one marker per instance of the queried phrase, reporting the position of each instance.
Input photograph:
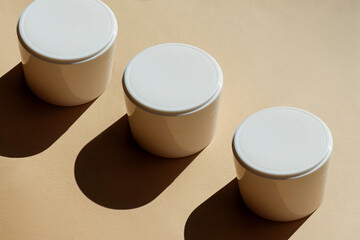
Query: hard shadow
(115, 172)
(225, 216)
(28, 125)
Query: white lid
(172, 78)
(282, 142)
(67, 30)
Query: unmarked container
(281, 158)
(172, 95)
(67, 49)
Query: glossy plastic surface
(172, 78)
(67, 84)
(160, 125)
(282, 142)
(173, 136)
(282, 199)
(281, 157)
(67, 30)
(65, 73)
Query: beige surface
(70, 184)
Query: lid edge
(175, 112)
(261, 173)
(60, 60)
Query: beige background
(72, 174)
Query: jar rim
(177, 48)
(255, 165)
(35, 45)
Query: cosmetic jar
(281, 156)
(67, 49)
(172, 94)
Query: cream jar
(281, 156)
(172, 95)
(67, 49)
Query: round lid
(172, 78)
(282, 142)
(67, 30)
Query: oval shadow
(113, 171)
(29, 125)
(225, 216)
